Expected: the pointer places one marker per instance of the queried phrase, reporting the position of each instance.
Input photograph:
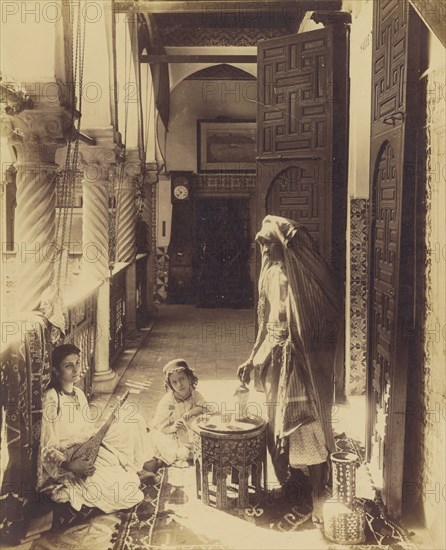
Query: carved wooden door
(301, 169)
(393, 139)
(302, 122)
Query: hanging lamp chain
(118, 182)
(68, 176)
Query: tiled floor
(214, 342)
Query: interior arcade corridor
(257, 185)
(213, 342)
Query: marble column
(35, 136)
(126, 238)
(126, 215)
(98, 163)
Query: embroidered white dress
(115, 485)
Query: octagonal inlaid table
(233, 454)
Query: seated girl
(112, 481)
(177, 409)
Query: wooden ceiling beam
(197, 58)
(226, 6)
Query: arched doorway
(221, 253)
(298, 193)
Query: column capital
(99, 162)
(37, 133)
(132, 168)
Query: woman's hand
(82, 467)
(244, 371)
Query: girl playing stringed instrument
(109, 481)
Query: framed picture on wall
(226, 146)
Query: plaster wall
(126, 92)
(98, 78)
(360, 100)
(180, 71)
(193, 100)
(27, 41)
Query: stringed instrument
(90, 449)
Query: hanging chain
(115, 214)
(69, 174)
(148, 120)
(73, 171)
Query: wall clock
(180, 186)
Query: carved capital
(132, 168)
(13, 97)
(37, 133)
(99, 164)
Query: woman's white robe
(115, 484)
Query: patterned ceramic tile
(358, 295)
(161, 275)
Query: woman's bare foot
(317, 514)
(151, 465)
(316, 472)
(144, 475)
(148, 478)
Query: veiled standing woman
(299, 342)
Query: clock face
(181, 192)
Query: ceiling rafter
(226, 6)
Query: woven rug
(171, 517)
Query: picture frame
(226, 146)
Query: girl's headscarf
(174, 366)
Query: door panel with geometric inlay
(393, 138)
(298, 193)
(302, 88)
(296, 108)
(302, 159)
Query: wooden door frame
(401, 134)
(335, 160)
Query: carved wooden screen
(296, 88)
(302, 96)
(295, 127)
(301, 168)
(298, 193)
(395, 62)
